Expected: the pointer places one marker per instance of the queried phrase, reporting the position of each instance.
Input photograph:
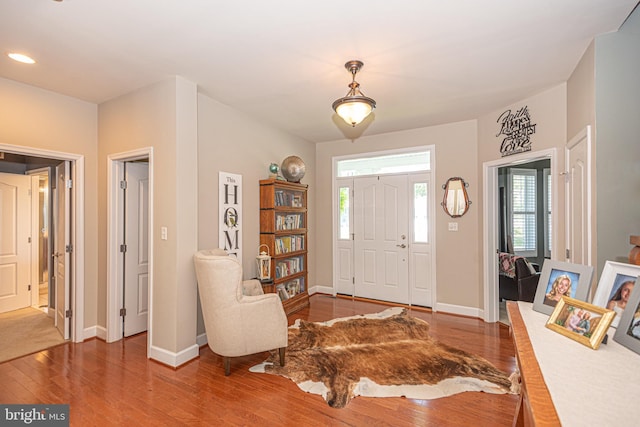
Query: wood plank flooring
(115, 384)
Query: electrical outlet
(163, 233)
(453, 226)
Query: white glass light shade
(354, 111)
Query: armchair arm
(252, 287)
(264, 322)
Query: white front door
(381, 238)
(62, 253)
(578, 193)
(136, 258)
(15, 223)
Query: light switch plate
(453, 226)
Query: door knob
(402, 246)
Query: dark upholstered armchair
(518, 279)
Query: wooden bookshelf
(283, 228)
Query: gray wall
(617, 151)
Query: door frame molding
(77, 229)
(490, 221)
(115, 163)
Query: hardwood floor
(115, 384)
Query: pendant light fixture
(354, 107)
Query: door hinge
(353, 280)
(28, 287)
(68, 314)
(29, 240)
(353, 236)
(123, 312)
(123, 248)
(69, 183)
(567, 253)
(68, 249)
(123, 185)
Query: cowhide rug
(381, 355)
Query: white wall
(162, 116)
(44, 120)
(617, 100)
(230, 141)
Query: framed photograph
(580, 321)
(559, 279)
(628, 331)
(614, 287)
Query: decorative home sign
(517, 130)
(230, 213)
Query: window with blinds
(523, 211)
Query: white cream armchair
(239, 318)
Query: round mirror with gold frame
(456, 200)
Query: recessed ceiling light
(21, 58)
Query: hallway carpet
(26, 331)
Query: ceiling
(426, 62)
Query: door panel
(344, 239)
(380, 245)
(136, 264)
(421, 271)
(62, 243)
(15, 226)
(577, 195)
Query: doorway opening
(71, 289)
(383, 240)
(129, 248)
(492, 214)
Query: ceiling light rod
(354, 107)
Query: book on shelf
(287, 198)
(286, 244)
(282, 292)
(289, 266)
(293, 287)
(289, 222)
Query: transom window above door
(385, 164)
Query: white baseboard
(96, 331)
(173, 359)
(201, 340)
(459, 309)
(321, 290)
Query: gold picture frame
(582, 322)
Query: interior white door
(15, 223)
(380, 238)
(578, 203)
(62, 255)
(136, 259)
